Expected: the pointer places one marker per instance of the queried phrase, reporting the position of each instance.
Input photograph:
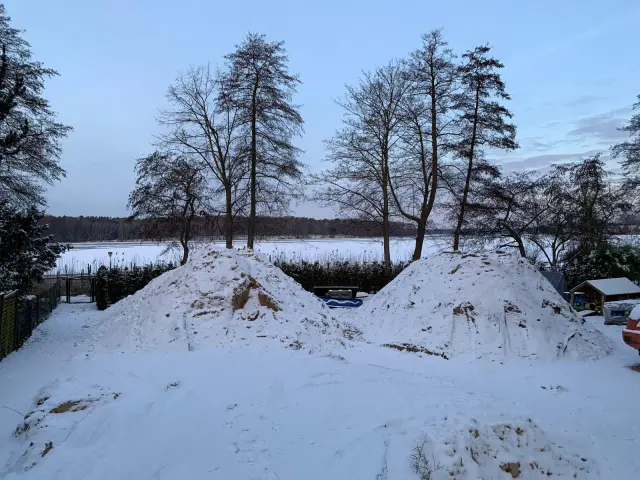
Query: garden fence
(19, 316)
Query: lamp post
(110, 253)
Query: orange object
(631, 334)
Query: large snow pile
(491, 305)
(221, 298)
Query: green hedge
(369, 276)
(114, 284)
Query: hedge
(114, 284)
(369, 276)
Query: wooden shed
(597, 292)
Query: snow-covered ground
(286, 414)
(112, 394)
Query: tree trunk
(185, 251)
(385, 217)
(184, 233)
(422, 228)
(228, 223)
(426, 210)
(463, 204)
(251, 230)
(517, 237)
(467, 184)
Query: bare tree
(170, 190)
(359, 182)
(594, 203)
(261, 89)
(565, 213)
(508, 207)
(203, 125)
(629, 150)
(427, 131)
(485, 122)
(29, 134)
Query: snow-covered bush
(26, 251)
(609, 261)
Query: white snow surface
(615, 286)
(133, 393)
(493, 305)
(280, 414)
(71, 410)
(222, 298)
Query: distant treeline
(103, 229)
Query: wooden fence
(19, 316)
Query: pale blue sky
(571, 68)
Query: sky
(570, 66)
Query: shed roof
(612, 286)
(556, 279)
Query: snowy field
(226, 369)
(287, 415)
(358, 249)
(322, 249)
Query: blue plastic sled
(341, 302)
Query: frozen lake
(355, 249)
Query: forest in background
(103, 229)
(69, 229)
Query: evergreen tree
(485, 121)
(260, 87)
(630, 150)
(26, 251)
(608, 261)
(29, 135)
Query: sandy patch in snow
(494, 305)
(222, 298)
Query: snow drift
(491, 305)
(221, 298)
(456, 448)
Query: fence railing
(19, 316)
(77, 288)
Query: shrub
(609, 261)
(369, 276)
(115, 283)
(101, 288)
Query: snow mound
(468, 450)
(222, 298)
(53, 417)
(494, 305)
